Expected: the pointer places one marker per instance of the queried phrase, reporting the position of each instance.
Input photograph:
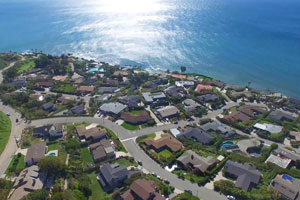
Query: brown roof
(201, 88)
(166, 141)
(252, 110)
(85, 88)
(132, 118)
(60, 78)
(105, 143)
(296, 135)
(144, 189)
(90, 133)
(168, 111)
(36, 152)
(44, 84)
(179, 76)
(79, 80)
(120, 73)
(237, 116)
(63, 100)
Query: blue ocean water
(238, 41)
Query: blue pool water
(238, 41)
(227, 143)
(288, 178)
(52, 154)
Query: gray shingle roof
(198, 134)
(246, 174)
(114, 108)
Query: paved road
(182, 185)
(16, 132)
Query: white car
(229, 197)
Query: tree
(183, 69)
(51, 165)
(36, 195)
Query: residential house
(64, 100)
(165, 142)
(154, 97)
(184, 83)
(156, 83)
(236, 116)
(196, 163)
(143, 189)
(251, 111)
(197, 134)
(35, 153)
(102, 150)
(292, 104)
(49, 107)
(168, 112)
(242, 94)
(190, 105)
(76, 110)
(44, 84)
(131, 101)
(140, 118)
(246, 175)
(112, 109)
(219, 128)
(280, 115)
(203, 88)
(107, 90)
(113, 176)
(60, 78)
(175, 92)
(85, 89)
(249, 146)
(287, 186)
(208, 98)
(285, 153)
(56, 131)
(102, 98)
(42, 131)
(120, 73)
(270, 128)
(94, 134)
(29, 180)
(295, 136)
(218, 84)
(18, 82)
(179, 76)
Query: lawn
(67, 88)
(5, 128)
(136, 112)
(86, 156)
(130, 127)
(125, 162)
(184, 196)
(191, 177)
(28, 139)
(53, 146)
(26, 66)
(97, 191)
(165, 154)
(15, 165)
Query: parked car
(153, 174)
(229, 197)
(166, 181)
(140, 162)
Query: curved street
(127, 138)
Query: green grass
(165, 153)
(125, 162)
(53, 146)
(97, 191)
(67, 87)
(86, 156)
(189, 176)
(136, 112)
(130, 127)
(26, 66)
(5, 128)
(19, 167)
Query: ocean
(238, 41)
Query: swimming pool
(52, 154)
(287, 177)
(227, 143)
